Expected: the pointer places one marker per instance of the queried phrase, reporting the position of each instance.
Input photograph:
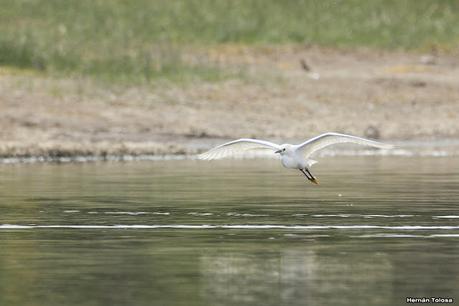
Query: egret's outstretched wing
(314, 144)
(237, 147)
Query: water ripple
(360, 215)
(229, 226)
(446, 217)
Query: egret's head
(285, 149)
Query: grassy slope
(141, 40)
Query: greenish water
(376, 231)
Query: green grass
(143, 40)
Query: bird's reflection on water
(295, 276)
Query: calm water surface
(229, 233)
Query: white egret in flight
(292, 156)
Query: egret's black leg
(312, 179)
(308, 177)
(310, 174)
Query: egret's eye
(283, 149)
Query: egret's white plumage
(317, 143)
(238, 146)
(292, 156)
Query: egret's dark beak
(278, 151)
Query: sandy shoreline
(405, 149)
(391, 96)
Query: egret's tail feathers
(311, 162)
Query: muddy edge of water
(188, 149)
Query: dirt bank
(284, 94)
